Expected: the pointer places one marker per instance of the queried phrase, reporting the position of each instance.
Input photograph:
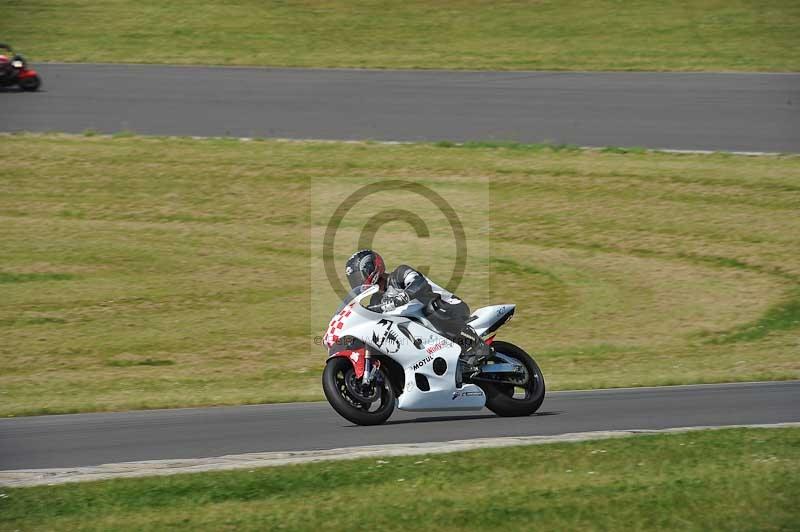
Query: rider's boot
(474, 350)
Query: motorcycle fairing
(389, 334)
(27, 73)
(487, 320)
(442, 393)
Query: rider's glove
(392, 301)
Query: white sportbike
(382, 360)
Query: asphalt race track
(93, 439)
(722, 111)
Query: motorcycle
(381, 360)
(15, 71)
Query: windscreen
(351, 295)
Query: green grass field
(715, 480)
(454, 34)
(146, 272)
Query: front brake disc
(358, 392)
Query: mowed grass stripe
(454, 34)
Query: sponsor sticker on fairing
(422, 362)
(436, 347)
(461, 394)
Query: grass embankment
(145, 272)
(463, 34)
(715, 480)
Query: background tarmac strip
(708, 111)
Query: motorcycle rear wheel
(337, 372)
(501, 399)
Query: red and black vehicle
(14, 71)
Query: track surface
(93, 439)
(744, 112)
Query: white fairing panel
(389, 333)
(487, 316)
(443, 394)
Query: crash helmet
(364, 267)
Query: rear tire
(500, 397)
(30, 84)
(337, 370)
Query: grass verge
(454, 34)
(147, 272)
(734, 479)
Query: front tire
(30, 84)
(502, 399)
(338, 371)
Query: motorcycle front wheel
(30, 84)
(343, 392)
(521, 399)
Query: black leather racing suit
(444, 310)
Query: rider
(445, 311)
(5, 63)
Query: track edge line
(54, 476)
